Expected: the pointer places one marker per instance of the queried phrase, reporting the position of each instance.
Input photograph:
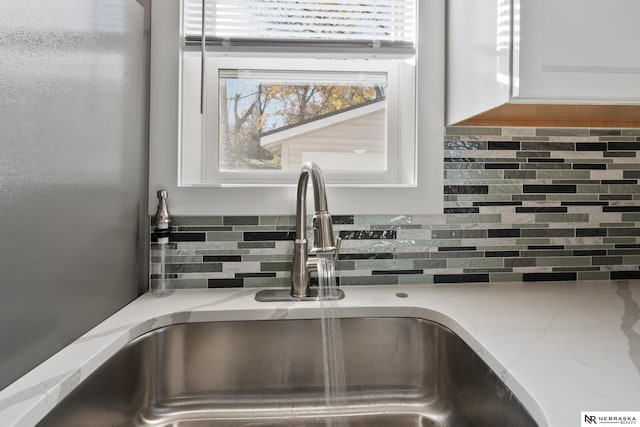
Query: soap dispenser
(158, 283)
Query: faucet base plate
(280, 295)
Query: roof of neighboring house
(321, 121)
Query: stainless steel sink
(398, 372)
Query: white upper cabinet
(577, 50)
(541, 52)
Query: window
(286, 82)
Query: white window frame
(199, 153)
(424, 198)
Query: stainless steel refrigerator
(73, 170)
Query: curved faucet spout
(317, 180)
(323, 240)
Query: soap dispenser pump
(163, 218)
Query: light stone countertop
(561, 347)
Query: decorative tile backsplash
(521, 204)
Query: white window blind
(382, 24)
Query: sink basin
(398, 372)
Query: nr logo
(590, 419)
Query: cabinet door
(577, 50)
(478, 56)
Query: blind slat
(390, 23)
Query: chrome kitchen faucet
(323, 241)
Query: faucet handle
(337, 253)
